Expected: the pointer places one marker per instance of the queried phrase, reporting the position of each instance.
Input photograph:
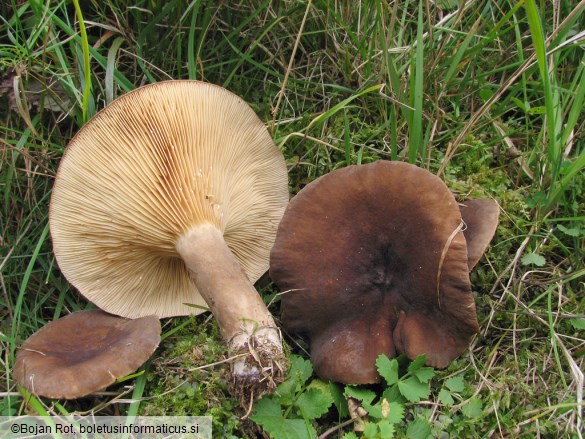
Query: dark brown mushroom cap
(84, 352)
(481, 220)
(376, 263)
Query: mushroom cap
(84, 352)
(152, 165)
(371, 260)
(481, 220)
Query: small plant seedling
(451, 387)
(533, 259)
(288, 414)
(385, 414)
(299, 401)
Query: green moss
(175, 387)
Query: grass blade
(86, 73)
(416, 146)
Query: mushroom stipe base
(246, 324)
(259, 362)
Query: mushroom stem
(245, 323)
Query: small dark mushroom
(371, 260)
(84, 352)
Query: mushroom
(168, 201)
(84, 352)
(481, 219)
(371, 260)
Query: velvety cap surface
(84, 352)
(364, 253)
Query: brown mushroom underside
(371, 260)
(84, 352)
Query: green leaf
(392, 393)
(417, 363)
(392, 412)
(314, 403)
(364, 395)
(418, 429)
(524, 106)
(533, 259)
(339, 400)
(424, 374)
(266, 408)
(445, 397)
(319, 384)
(350, 435)
(268, 414)
(374, 410)
(387, 368)
(537, 110)
(300, 371)
(573, 231)
(286, 391)
(486, 94)
(396, 413)
(578, 323)
(371, 430)
(300, 368)
(413, 389)
(386, 429)
(473, 409)
(455, 384)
